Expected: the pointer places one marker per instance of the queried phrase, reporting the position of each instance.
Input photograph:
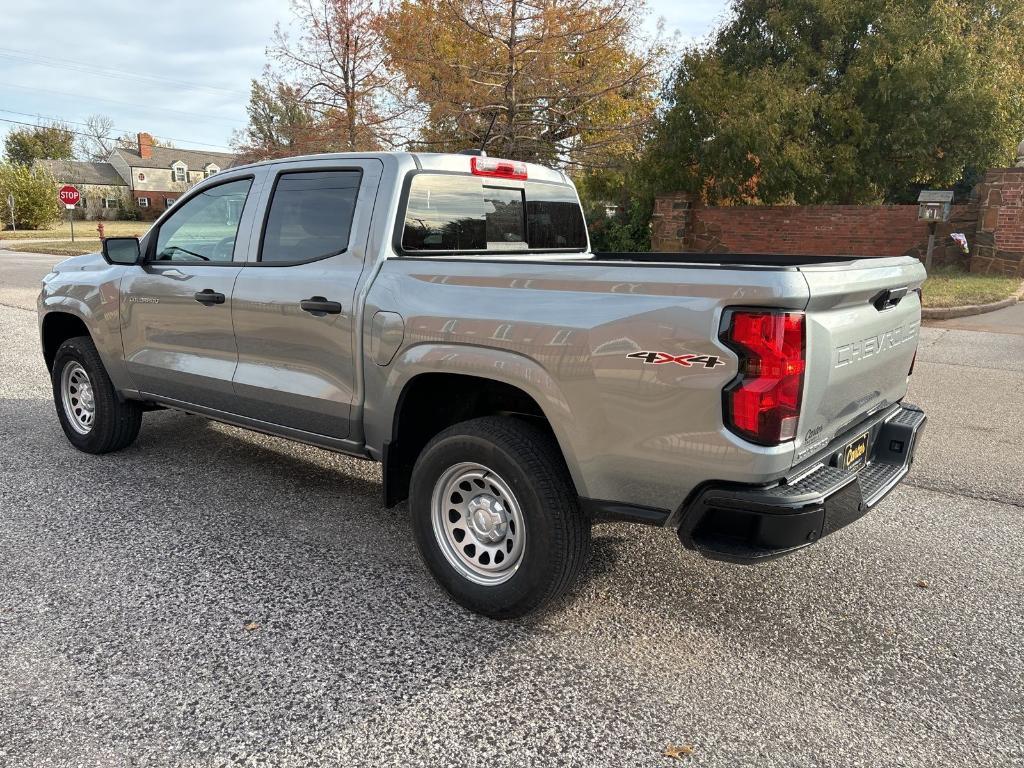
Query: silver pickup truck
(443, 314)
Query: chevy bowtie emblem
(687, 361)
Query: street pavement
(213, 597)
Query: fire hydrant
(99, 229)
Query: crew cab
(444, 315)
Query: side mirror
(122, 250)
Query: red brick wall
(157, 202)
(819, 230)
(862, 230)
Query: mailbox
(934, 205)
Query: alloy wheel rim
(478, 523)
(78, 397)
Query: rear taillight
(762, 404)
(499, 169)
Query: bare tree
(337, 61)
(96, 139)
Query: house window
(211, 170)
(143, 202)
(169, 201)
(180, 173)
(110, 202)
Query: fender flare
(499, 365)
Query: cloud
(195, 57)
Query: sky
(178, 69)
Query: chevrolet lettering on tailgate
(862, 349)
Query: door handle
(320, 306)
(208, 296)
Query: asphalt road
(127, 584)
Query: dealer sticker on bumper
(855, 454)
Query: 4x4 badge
(687, 361)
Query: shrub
(35, 196)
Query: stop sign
(69, 196)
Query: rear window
(466, 213)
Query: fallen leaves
(922, 584)
(678, 752)
(252, 626)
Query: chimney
(145, 145)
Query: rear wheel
(495, 516)
(92, 416)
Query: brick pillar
(999, 242)
(670, 224)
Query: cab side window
(310, 216)
(204, 228)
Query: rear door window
(310, 216)
(456, 213)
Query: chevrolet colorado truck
(444, 315)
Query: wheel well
(58, 327)
(432, 402)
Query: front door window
(204, 228)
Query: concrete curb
(947, 313)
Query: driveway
(213, 597)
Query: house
(104, 193)
(145, 177)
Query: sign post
(10, 207)
(69, 196)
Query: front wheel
(496, 517)
(92, 416)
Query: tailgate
(863, 320)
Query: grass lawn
(952, 287)
(84, 230)
(58, 247)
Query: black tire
(557, 533)
(115, 423)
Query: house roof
(80, 172)
(165, 157)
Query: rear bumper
(748, 524)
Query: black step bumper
(748, 524)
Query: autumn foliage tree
(561, 82)
(333, 61)
(282, 124)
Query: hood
(84, 263)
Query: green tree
(842, 101)
(38, 142)
(35, 196)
